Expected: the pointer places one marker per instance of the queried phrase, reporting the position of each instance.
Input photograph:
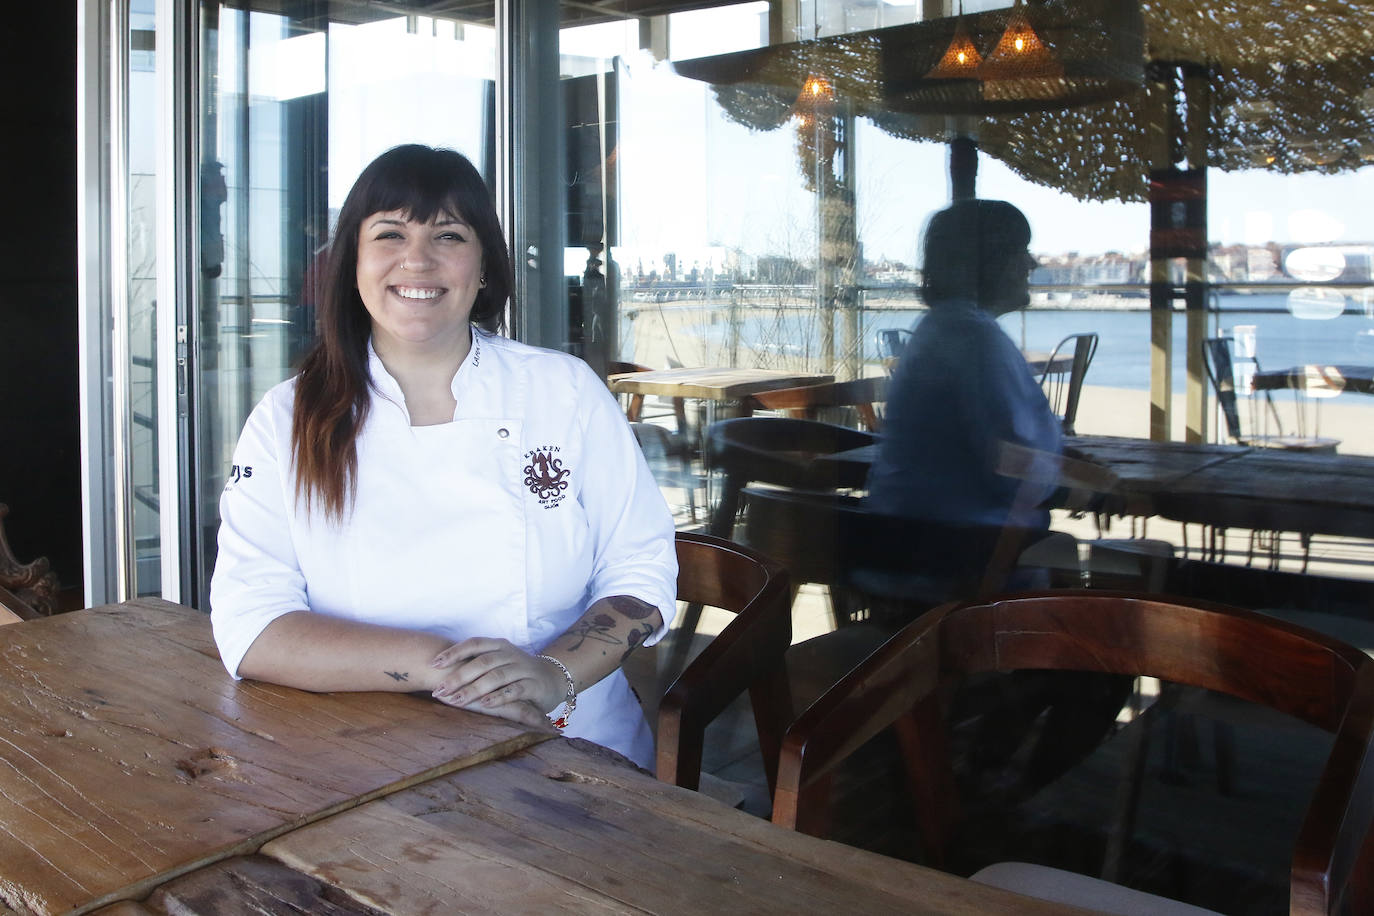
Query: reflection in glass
(292, 109)
(141, 300)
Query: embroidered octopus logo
(546, 477)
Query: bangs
(422, 183)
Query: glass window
(292, 109)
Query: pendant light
(961, 59)
(1020, 54)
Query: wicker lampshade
(1020, 54)
(961, 59)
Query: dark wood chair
(778, 451)
(808, 402)
(1251, 656)
(28, 590)
(746, 656)
(753, 654)
(1064, 389)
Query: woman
(428, 506)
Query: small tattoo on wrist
(398, 675)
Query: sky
(694, 182)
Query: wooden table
(712, 385)
(1036, 360)
(1233, 486)
(136, 777)
(1317, 378)
(1230, 486)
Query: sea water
(1123, 355)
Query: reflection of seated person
(961, 389)
(962, 386)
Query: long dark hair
(332, 388)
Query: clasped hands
(495, 677)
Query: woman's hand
(494, 677)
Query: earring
(482, 280)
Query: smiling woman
(434, 507)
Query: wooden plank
(251, 884)
(567, 827)
(128, 755)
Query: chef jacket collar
(389, 388)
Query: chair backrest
(1216, 352)
(29, 590)
(892, 342)
(905, 564)
(1064, 392)
(776, 450)
(1251, 656)
(747, 654)
(806, 401)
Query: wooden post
(1197, 98)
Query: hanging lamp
(1020, 54)
(961, 59)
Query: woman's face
(418, 280)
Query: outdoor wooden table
(1316, 378)
(566, 827)
(1036, 360)
(1230, 486)
(129, 756)
(719, 384)
(139, 778)
(1233, 486)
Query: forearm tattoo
(634, 638)
(599, 628)
(398, 675)
(632, 608)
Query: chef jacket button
(503, 433)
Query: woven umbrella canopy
(1291, 87)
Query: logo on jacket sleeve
(545, 475)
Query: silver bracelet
(569, 701)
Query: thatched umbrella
(1290, 87)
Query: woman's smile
(418, 280)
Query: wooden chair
(1221, 372)
(746, 655)
(752, 653)
(807, 402)
(1247, 655)
(1063, 389)
(29, 590)
(877, 566)
(774, 450)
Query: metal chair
(1063, 390)
(892, 344)
(670, 460)
(1220, 366)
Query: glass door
(291, 108)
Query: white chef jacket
(508, 522)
